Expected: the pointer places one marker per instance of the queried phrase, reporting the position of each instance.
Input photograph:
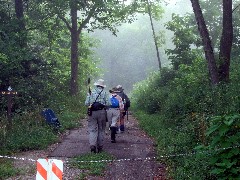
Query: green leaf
(212, 129)
(214, 160)
(217, 171)
(235, 151)
(235, 170)
(223, 130)
(216, 141)
(226, 144)
(221, 164)
(228, 122)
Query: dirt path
(134, 152)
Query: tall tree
(226, 41)
(19, 14)
(212, 66)
(88, 15)
(75, 32)
(221, 73)
(154, 34)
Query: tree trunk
(226, 41)
(19, 13)
(212, 67)
(21, 24)
(154, 36)
(74, 50)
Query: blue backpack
(114, 102)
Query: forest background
(187, 99)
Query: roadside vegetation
(30, 131)
(190, 108)
(195, 126)
(46, 56)
(6, 169)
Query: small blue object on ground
(51, 118)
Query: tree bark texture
(212, 66)
(74, 50)
(226, 41)
(19, 13)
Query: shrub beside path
(134, 153)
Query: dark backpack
(125, 99)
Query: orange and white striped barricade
(49, 169)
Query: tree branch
(65, 21)
(235, 7)
(90, 14)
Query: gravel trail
(134, 152)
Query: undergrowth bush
(6, 169)
(224, 138)
(175, 146)
(29, 130)
(176, 113)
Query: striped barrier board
(49, 169)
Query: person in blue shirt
(113, 112)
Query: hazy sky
(133, 49)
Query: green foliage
(144, 96)
(185, 37)
(175, 141)
(40, 70)
(92, 163)
(167, 93)
(6, 169)
(224, 138)
(40, 73)
(176, 106)
(28, 132)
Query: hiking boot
(93, 149)
(122, 128)
(113, 134)
(100, 149)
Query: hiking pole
(89, 89)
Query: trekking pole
(89, 89)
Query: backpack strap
(98, 95)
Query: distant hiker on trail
(126, 103)
(97, 99)
(113, 112)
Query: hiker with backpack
(97, 100)
(126, 102)
(113, 112)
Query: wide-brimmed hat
(119, 88)
(100, 82)
(113, 90)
